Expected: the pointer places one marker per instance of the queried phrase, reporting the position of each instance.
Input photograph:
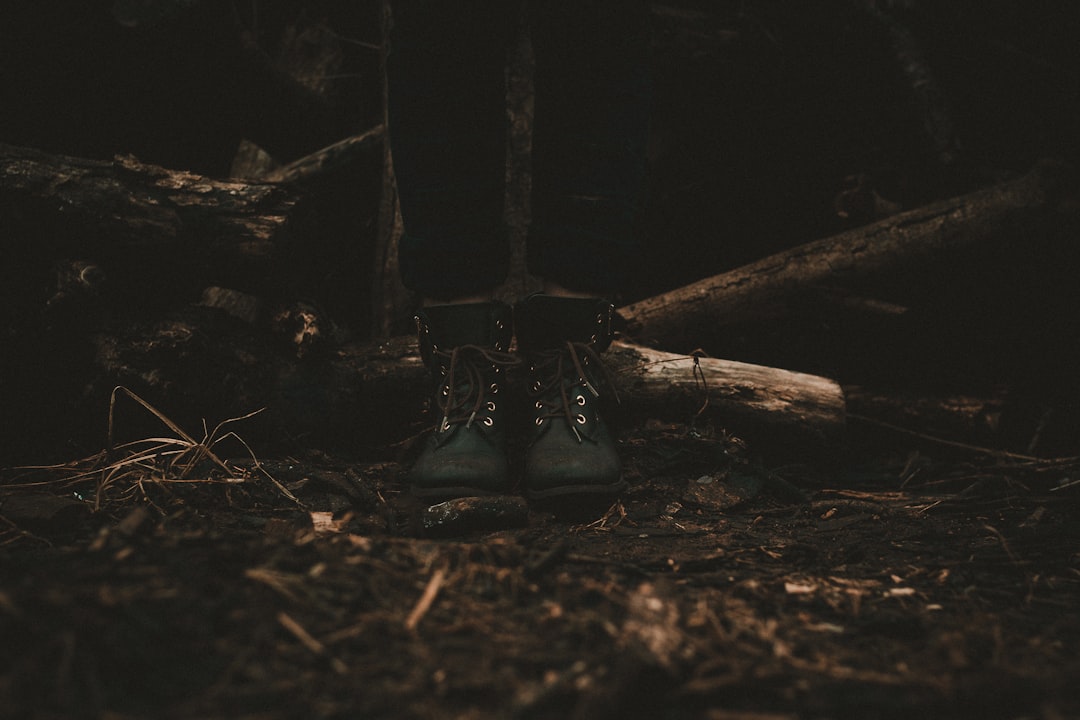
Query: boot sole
(569, 491)
(450, 493)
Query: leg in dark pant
(592, 116)
(447, 117)
(448, 125)
(447, 109)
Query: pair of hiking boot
(570, 451)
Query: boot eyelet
(445, 426)
(536, 386)
(539, 422)
(580, 419)
(488, 422)
(580, 399)
(493, 388)
(491, 406)
(500, 324)
(592, 338)
(539, 405)
(445, 391)
(442, 370)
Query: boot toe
(465, 467)
(557, 466)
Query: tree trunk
(389, 298)
(766, 289)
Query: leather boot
(572, 451)
(466, 349)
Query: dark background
(775, 123)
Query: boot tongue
(547, 321)
(448, 326)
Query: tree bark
(769, 404)
(128, 206)
(156, 237)
(389, 298)
(962, 418)
(768, 288)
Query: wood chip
(799, 588)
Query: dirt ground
(894, 582)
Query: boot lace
(470, 382)
(551, 368)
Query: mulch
(162, 581)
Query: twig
(1065, 485)
(21, 533)
(358, 43)
(1004, 543)
(301, 634)
(929, 507)
(552, 556)
(259, 467)
(1043, 420)
(601, 523)
(309, 642)
(963, 446)
(149, 408)
(275, 580)
(426, 600)
(700, 384)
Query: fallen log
(765, 402)
(205, 364)
(372, 394)
(128, 205)
(769, 288)
(962, 418)
(154, 237)
(163, 235)
(806, 410)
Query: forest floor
(899, 578)
(893, 583)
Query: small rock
(472, 514)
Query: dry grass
(122, 472)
